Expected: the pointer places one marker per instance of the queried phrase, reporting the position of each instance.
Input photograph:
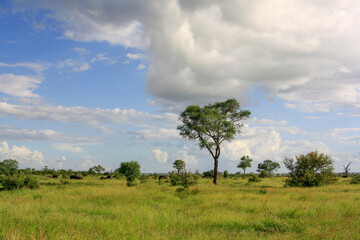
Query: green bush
(355, 179)
(208, 174)
(131, 170)
(312, 169)
(254, 178)
(226, 174)
(31, 182)
(19, 181)
(175, 179)
(264, 174)
(144, 178)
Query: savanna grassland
(233, 209)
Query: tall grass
(234, 209)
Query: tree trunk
(244, 171)
(215, 170)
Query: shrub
(144, 178)
(131, 170)
(208, 174)
(355, 179)
(19, 181)
(226, 174)
(254, 178)
(264, 174)
(184, 179)
(312, 169)
(31, 182)
(175, 180)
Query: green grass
(234, 209)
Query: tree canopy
(211, 125)
(9, 167)
(131, 170)
(179, 165)
(245, 162)
(268, 166)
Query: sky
(101, 81)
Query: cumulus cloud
(26, 157)
(301, 51)
(186, 157)
(160, 156)
(261, 144)
(18, 85)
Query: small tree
(268, 167)
(226, 174)
(312, 169)
(9, 167)
(179, 165)
(98, 169)
(211, 125)
(245, 162)
(347, 169)
(131, 170)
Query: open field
(234, 209)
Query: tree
(9, 167)
(245, 162)
(268, 167)
(211, 125)
(131, 170)
(347, 169)
(312, 169)
(98, 169)
(179, 165)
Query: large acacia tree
(211, 125)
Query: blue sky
(101, 82)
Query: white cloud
(68, 147)
(18, 85)
(60, 160)
(102, 57)
(201, 51)
(37, 67)
(80, 50)
(82, 67)
(82, 115)
(14, 133)
(160, 156)
(135, 56)
(261, 144)
(186, 157)
(162, 134)
(140, 67)
(25, 157)
(76, 66)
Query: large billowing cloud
(302, 51)
(25, 157)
